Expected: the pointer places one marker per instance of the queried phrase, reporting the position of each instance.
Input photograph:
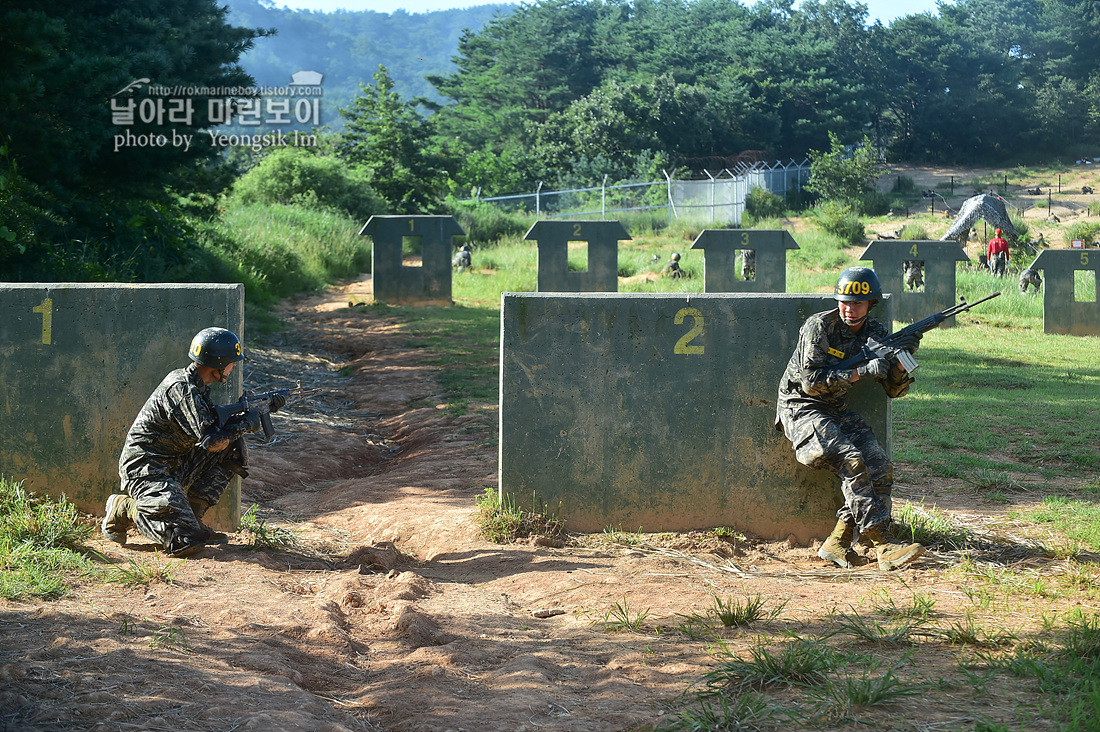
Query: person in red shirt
(997, 253)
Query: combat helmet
(676, 256)
(857, 284)
(215, 348)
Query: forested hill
(347, 47)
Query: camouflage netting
(989, 208)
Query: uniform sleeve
(190, 411)
(816, 377)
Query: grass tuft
(262, 536)
(41, 542)
(735, 612)
(140, 572)
(796, 662)
(502, 522)
(620, 617)
(845, 697)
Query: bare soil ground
(390, 613)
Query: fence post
(713, 183)
(671, 203)
(538, 207)
(603, 198)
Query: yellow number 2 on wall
(46, 308)
(682, 346)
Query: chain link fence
(720, 198)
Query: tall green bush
(841, 220)
(278, 250)
(763, 204)
(297, 176)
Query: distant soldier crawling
(1030, 277)
(176, 461)
(812, 411)
(914, 273)
(463, 260)
(672, 268)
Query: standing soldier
(914, 273)
(997, 253)
(748, 264)
(177, 461)
(812, 411)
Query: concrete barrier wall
(396, 283)
(79, 360)
(656, 411)
(1061, 312)
(938, 260)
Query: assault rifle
(257, 407)
(889, 349)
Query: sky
(884, 10)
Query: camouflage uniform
(463, 260)
(914, 273)
(672, 269)
(813, 413)
(161, 465)
(1030, 277)
(748, 264)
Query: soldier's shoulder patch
(835, 352)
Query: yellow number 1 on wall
(46, 308)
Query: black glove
(277, 402)
(246, 423)
(218, 440)
(878, 369)
(910, 342)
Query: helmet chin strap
(853, 322)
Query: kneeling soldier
(813, 413)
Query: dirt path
(391, 614)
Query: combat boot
(838, 547)
(209, 535)
(119, 518)
(891, 553)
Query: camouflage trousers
(997, 264)
(162, 501)
(845, 445)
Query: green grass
(502, 521)
(41, 544)
(141, 572)
(846, 697)
(1079, 520)
(799, 661)
(262, 536)
(731, 612)
(621, 617)
(278, 250)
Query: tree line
(558, 91)
(588, 85)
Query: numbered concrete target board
(657, 412)
(396, 283)
(1062, 312)
(722, 248)
(602, 239)
(79, 361)
(938, 259)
